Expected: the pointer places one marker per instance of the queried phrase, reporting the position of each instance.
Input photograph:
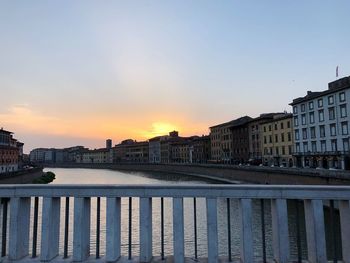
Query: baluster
(178, 230)
(113, 228)
(81, 235)
(145, 229)
(50, 228)
(344, 209)
(263, 232)
(333, 231)
(245, 210)
(315, 233)
(130, 229)
(212, 230)
(19, 228)
(280, 235)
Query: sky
(79, 72)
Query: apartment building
(278, 140)
(221, 143)
(201, 149)
(240, 140)
(130, 151)
(10, 152)
(321, 127)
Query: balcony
(21, 205)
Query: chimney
(309, 92)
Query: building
(321, 127)
(221, 143)
(95, 156)
(278, 141)
(108, 143)
(240, 140)
(255, 137)
(53, 155)
(159, 147)
(130, 151)
(11, 152)
(201, 149)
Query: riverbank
(232, 174)
(22, 177)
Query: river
(102, 176)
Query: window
(297, 147)
(264, 128)
(289, 149)
(320, 115)
(304, 131)
(264, 139)
(342, 96)
(346, 145)
(333, 129)
(313, 147)
(322, 131)
(270, 138)
(344, 128)
(302, 107)
(283, 150)
(295, 109)
(270, 127)
(320, 103)
(312, 117)
(276, 138)
(296, 134)
(330, 100)
(289, 137)
(288, 124)
(343, 112)
(312, 133)
(334, 145)
(311, 105)
(331, 113)
(323, 146)
(282, 137)
(282, 126)
(277, 152)
(296, 121)
(305, 147)
(276, 127)
(303, 119)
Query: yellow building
(278, 141)
(221, 142)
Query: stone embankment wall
(232, 174)
(21, 177)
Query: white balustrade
(312, 196)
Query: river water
(100, 176)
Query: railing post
(113, 227)
(50, 228)
(178, 230)
(280, 235)
(19, 227)
(245, 212)
(145, 229)
(315, 232)
(344, 209)
(81, 235)
(212, 228)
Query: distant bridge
(20, 221)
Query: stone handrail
(20, 198)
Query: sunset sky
(78, 72)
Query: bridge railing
(20, 206)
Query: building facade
(221, 143)
(240, 140)
(11, 152)
(278, 141)
(321, 127)
(201, 149)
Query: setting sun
(158, 129)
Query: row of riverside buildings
(315, 134)
(11, 152)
